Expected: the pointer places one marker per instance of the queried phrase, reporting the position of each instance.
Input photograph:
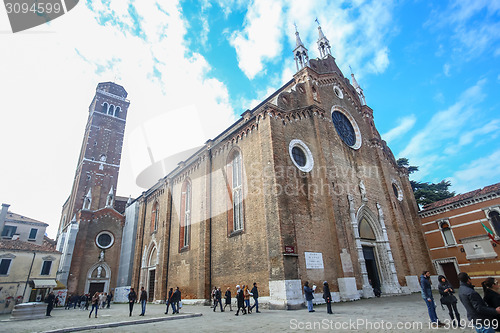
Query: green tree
(425, 192)
(403, 162)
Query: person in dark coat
(87, 302)
(255, 295)
(240, 300)
(448, 299)
(491, 290)
(108, 299)
(478, 311)
(227, 295)
(75, 300)
(218, 300)
(425, 285)
(328, 297)
(169, 300)
(50, 303)
(132, 298)
(82, 301)
(68, 301)
(309, 296)
(176, 299)
(144, 300)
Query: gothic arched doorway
(152, 261)
(98, 277)
(368, 241)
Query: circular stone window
(397, 191)
(301, 155)
(347, 129)
(104, 239)
(338, 92)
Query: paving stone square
(367, 315)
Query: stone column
(393, 283)
(367, 288)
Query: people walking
(95, 304)
(169, 300)
(75, 301)
(255, 295)
(481, 315)
(82, 301)
(328, 297)
(213, 296)
(491, 296)
(143, 299)
(491, 290)
(218, 300)
(448, 299)
(425, 285)
(68, 302)
(309, 296)
(87, 301)
(50, 303)
(240, 301)
(227, 296)
(246, 292)
(132, 298)
(108, 299)
(102, 300)
(176, 300)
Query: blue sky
(429, 70)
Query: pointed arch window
(154, 216)
(153, 258)
(185, 216)
(235, 191)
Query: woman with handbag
(448, 299)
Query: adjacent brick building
(300, 188)
(457, 240)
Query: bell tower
(99, 161)
(98, 165)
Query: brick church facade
(300, 188)
(92, 218)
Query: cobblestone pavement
(368, 315)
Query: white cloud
(474, 24)
(478, 173)
(358, 33)
(442, 131)
(405, 125)
(446, 69)
(492, 127)
(260, 39)
(50, 87)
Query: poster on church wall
(314, 260)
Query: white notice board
(314, 260)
